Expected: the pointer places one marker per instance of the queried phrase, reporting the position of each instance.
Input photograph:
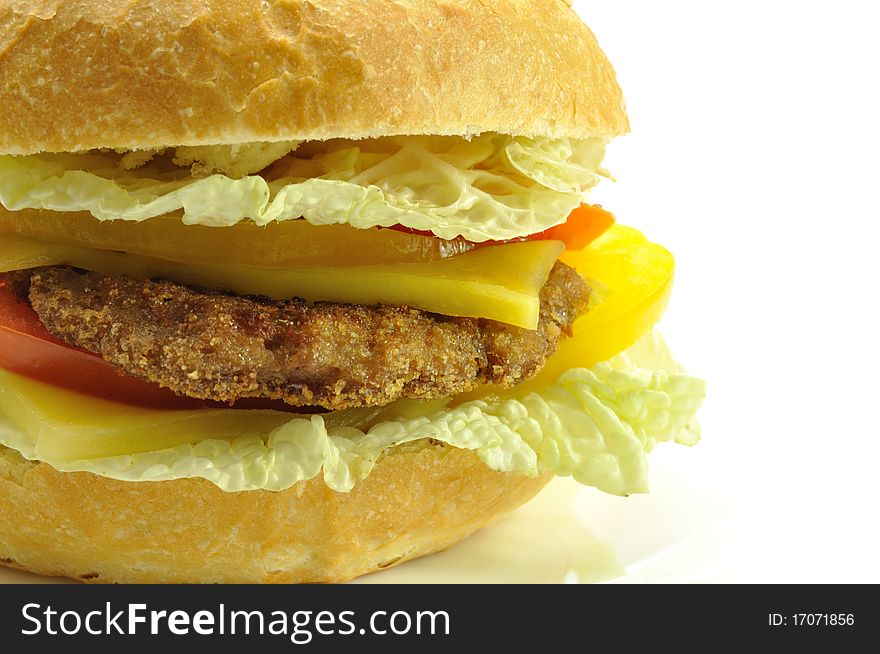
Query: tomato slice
(27, 348)
(583, 226)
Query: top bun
(139, 74)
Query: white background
(755, 157)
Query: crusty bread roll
(138, 74)
(418, 500)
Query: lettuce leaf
(490, 187)
(595, 425)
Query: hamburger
(296, 291)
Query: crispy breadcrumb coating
(217, 346)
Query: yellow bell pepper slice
(633, 278)
(636, 276)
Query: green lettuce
(595, 425)
(491, 187)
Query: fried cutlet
(217, 346)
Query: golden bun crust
(418, 500)
(139, 74)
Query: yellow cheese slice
(292, 243)
(500, 282)
(67, 425)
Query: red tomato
(28, 349)
(583, 226)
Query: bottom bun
(417, 500)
